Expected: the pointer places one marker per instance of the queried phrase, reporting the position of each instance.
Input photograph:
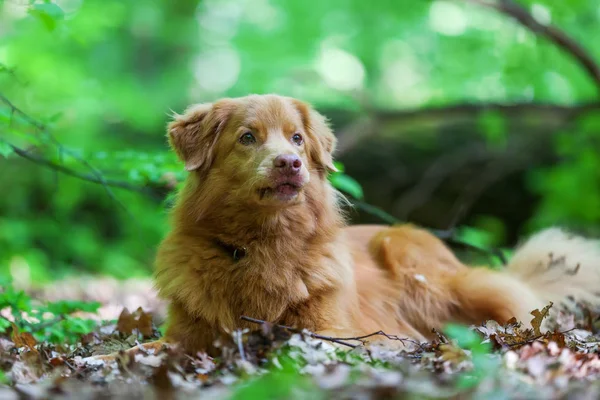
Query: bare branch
(470, 109)
(552, 33)
(294, 330)
(339, 340)
(85, 177)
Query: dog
(259, 231)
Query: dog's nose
(288, 163)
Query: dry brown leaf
(24, 339)
(126, 323)
(144, 323)
(558, 338)
(139, 320)
(56, 361)
(538, 317)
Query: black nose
(288, 163)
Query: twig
(340, 340)
(98, 177)
(82, 176)
(12, 73)
(552, 33)
(291, 329)
(533, 339)
(387, 335)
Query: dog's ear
(194, 133)
(322, 140)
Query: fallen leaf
(126, 323)
(538, 317)
(144, 323)
(139, 320)
(24, 339)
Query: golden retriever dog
(258, 231)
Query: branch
(339, 340)
(294, 330)
(535, 338)
(355, 133)
(155, 192)
(85, 177)
(468, 109)
(552, 33)
(97, 175)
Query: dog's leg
(419, 269)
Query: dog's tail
(552, 266)
(556, 266)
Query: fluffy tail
(556, 266)
(552, 266)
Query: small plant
(53, 322)
(483, 364)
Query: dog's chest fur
(269, 282)
(293, 261)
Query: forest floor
(483, 362)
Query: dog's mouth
(285, 191)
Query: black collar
(237, 253)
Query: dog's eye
(297, 139)
(247, 139)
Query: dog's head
(264, 149)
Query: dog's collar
(237, 253)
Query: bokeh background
(450, 114)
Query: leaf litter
(557, 356)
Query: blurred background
(450, 114)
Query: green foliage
(345, 183)
(51, 321)
(484, 365)
(48, 13)
(5, 149)
(100, 78)
(282, 381)
(571, 188)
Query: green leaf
(5, 149)
(5, 115)
(3, 378)
(70, 306)
(340, 167)
(48, 13)
(4, 324)
(346, 184)
(467, 338)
